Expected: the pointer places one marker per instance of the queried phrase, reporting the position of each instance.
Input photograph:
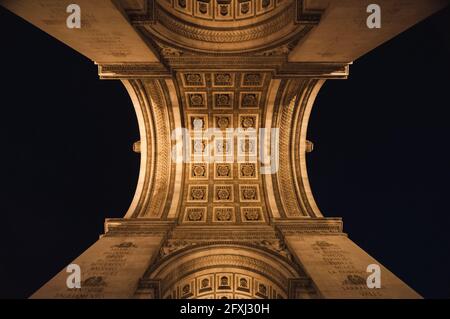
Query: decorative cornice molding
(223, 234)
(137, 227)
(276, 64)
(212, 232)
(316, 70)
(133, 70)
(307, 226)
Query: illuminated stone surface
(211, 227)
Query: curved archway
(224, 271)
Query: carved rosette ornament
(223, 214)
(199, 170)
(223, 170)
(223, 123)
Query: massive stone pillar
(343, 36)
(111, 267)
(105, 34)
(223, 91)
(337, 266)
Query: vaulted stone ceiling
(243, 107)
(229, 167)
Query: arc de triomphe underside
(223, 90)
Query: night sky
(381, 157)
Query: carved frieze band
(228, 36)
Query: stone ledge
(310, 225)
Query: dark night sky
(381, 158)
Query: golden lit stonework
(222, 90)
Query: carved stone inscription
(105, 35)
(338, 268)
(352, 278)
(95, 278)
(111, 268)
